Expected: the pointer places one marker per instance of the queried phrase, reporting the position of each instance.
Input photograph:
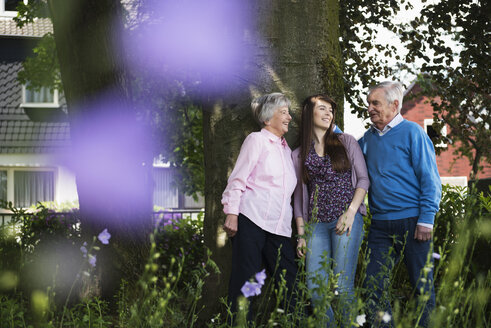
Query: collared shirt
(262, 183)
(395, 121)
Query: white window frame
(11, 183)
(54, 104)
(8, 13)
(443, 131)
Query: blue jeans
(341, 253)
(387, 241)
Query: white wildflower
(361, 319)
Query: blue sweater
(404, 179)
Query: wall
(65, 187)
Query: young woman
(333, 164)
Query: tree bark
(295, 51)
(86, 32)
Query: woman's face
(278, 124)
(323, 115)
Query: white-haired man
(404, 196)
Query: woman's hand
(231, 224)
(345, 221)
(301, 247)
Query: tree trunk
(299, 55)
(85, 34)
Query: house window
(432, 133)
(43, 97)
(3, 185)
(8, 8)
(26, 187)
(165, 193)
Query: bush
(181, 237)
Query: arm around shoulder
(357, 160)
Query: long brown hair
(332, 146)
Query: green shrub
(181, 237)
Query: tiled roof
(38, 28)
(18, 134)
(10, 97)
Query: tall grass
(167, 293)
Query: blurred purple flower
(205, 38)
(260, 277)
(104, 237)
(83, 249)
(436, 256)
(92, 260)
(251, 289)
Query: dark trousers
(387, 240)
(251, 246)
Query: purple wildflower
(251, 289)
(104, 237)
(436, 256)
(92, 260)
(260, 277)
(83, 249)
(167, 218)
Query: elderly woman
(257, 199)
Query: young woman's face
(323, 114)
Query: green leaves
(42, 69)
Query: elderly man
(404, 196)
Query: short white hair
(263, 107)
(393, 91)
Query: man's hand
(422, 233)
(230, 226)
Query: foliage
(42, 70)
(26, 230)
(182, 237)
(366, 58)
(27, 13)
(458, 77)
(177, 129)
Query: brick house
(453, 169)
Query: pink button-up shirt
(262, 183)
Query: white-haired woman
(257, 200)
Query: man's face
(381, 112)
